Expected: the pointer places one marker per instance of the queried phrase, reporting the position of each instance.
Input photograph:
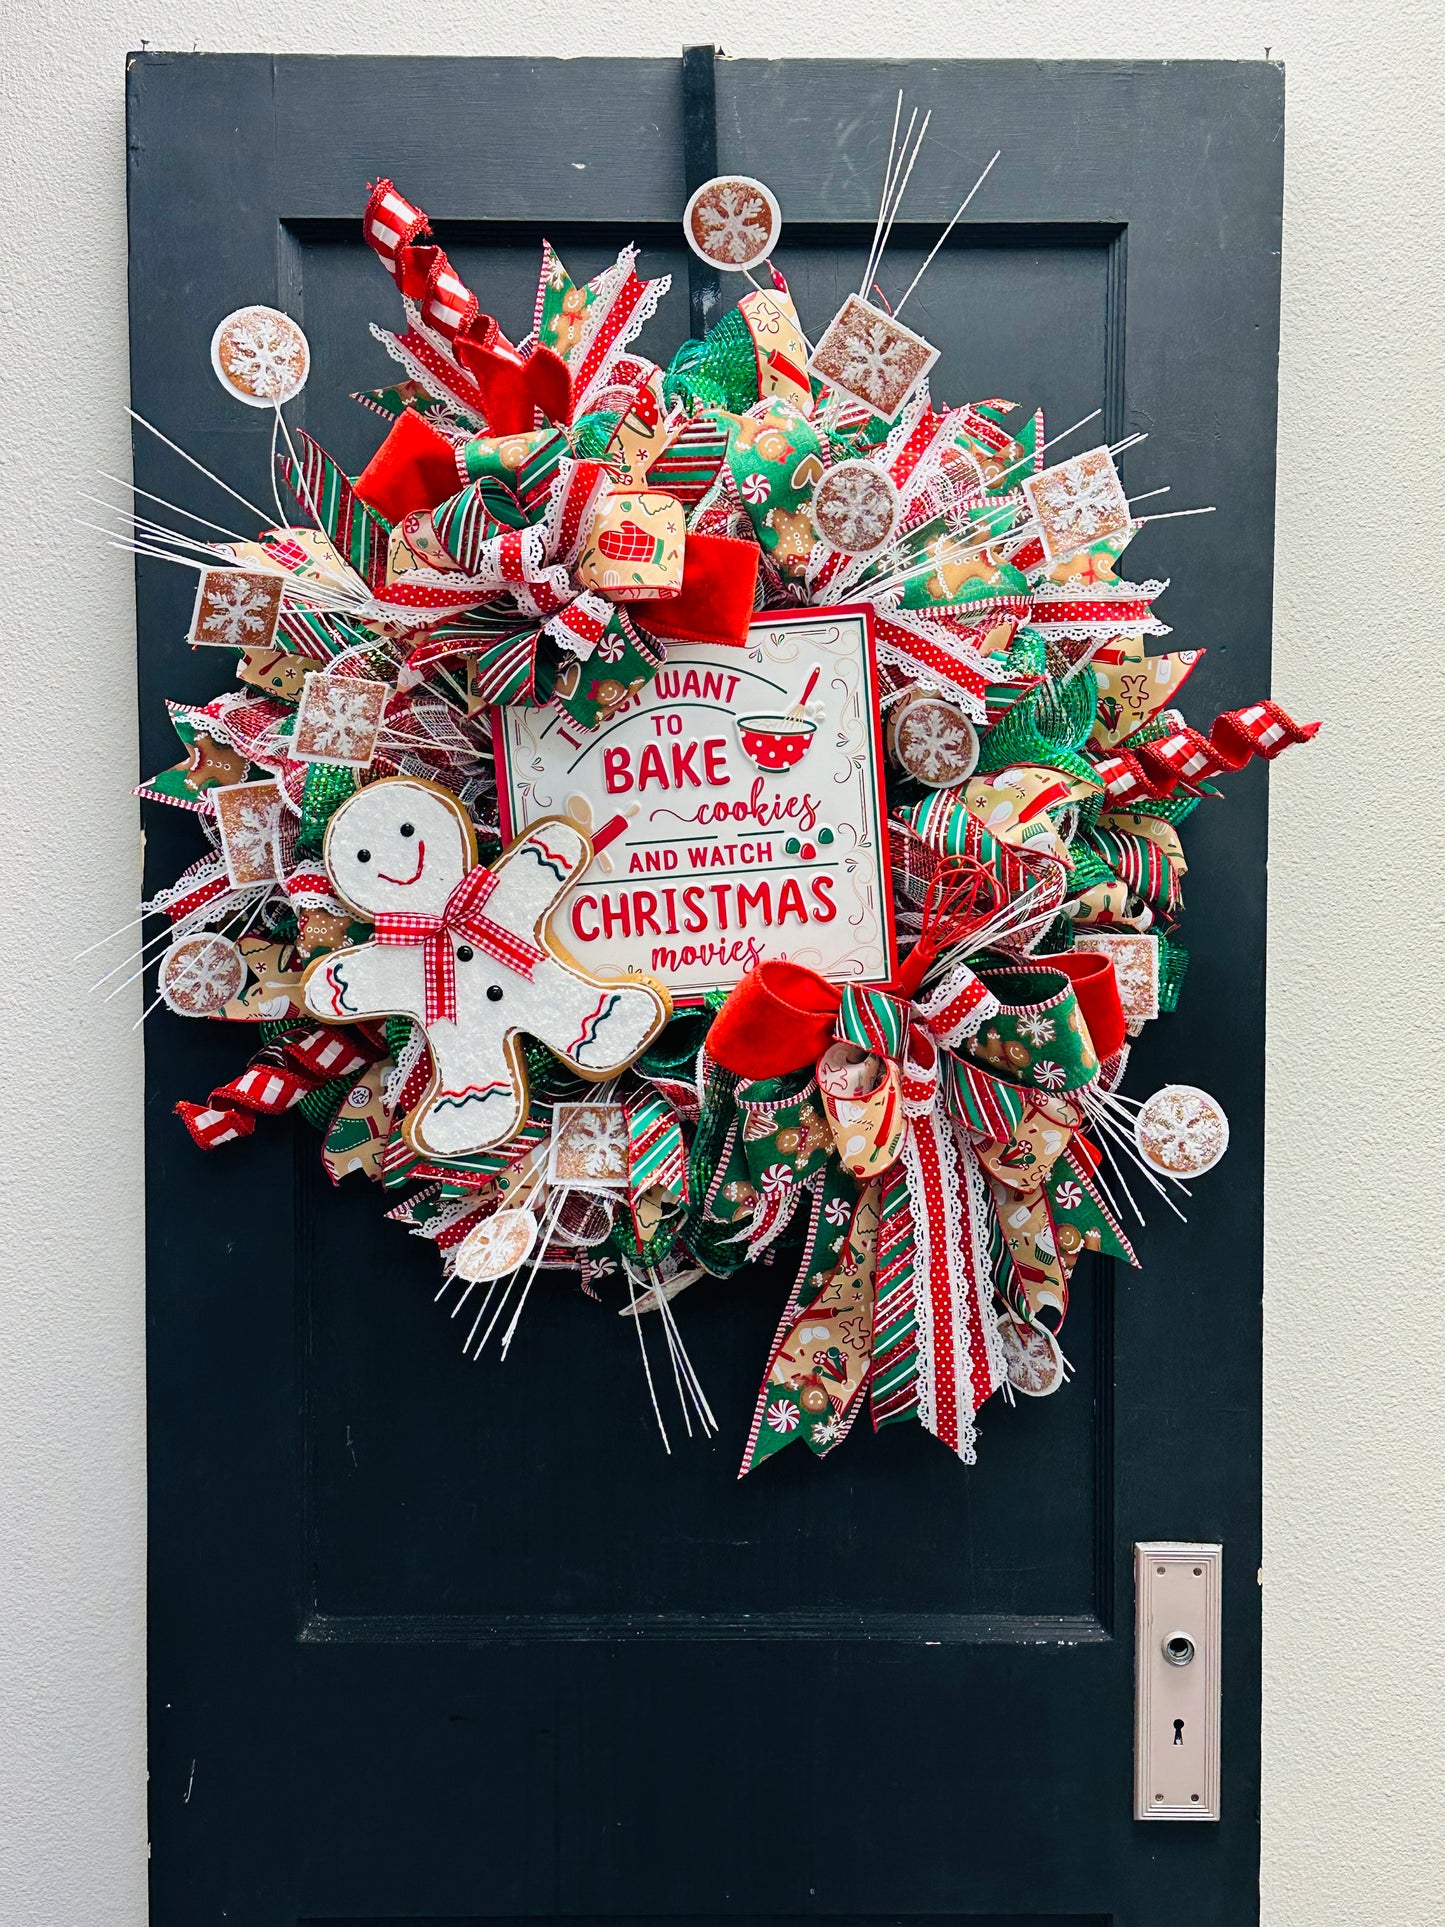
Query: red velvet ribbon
(1097, 989)
(779, 1019)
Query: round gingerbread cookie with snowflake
(933, 741)
(1181, 1131)
(200, 975)
(261, 357)
(855, 507)
(732, 222)
(1032, 1360)
(498, 1245)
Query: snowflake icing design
(236, 609)
(496, 1246)
(338, 721)
(934, 743)
(1031, 1357)
(1181, 1131)
(1082, 510)
(827, 1431)
(731, 223)
(874, 361)
(247, 823)
(872, 358)
(1038, 1030)
(261, 356)
(855, 507)
(1136, 969)
(202, 974)
(1078, 502)
(592, 1144)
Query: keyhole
(1179, 1732)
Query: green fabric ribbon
(775, 464)
(1038, 1039)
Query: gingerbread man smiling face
(399, 846)
(463, 949)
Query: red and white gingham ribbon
(461, 917)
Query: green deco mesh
(1048, 726)
(319, 1107)
(720, 372)
(1173, 962)
(591, 434)
(327, 787)
(398, 1036)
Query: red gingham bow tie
(462, 917)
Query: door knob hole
(1179, 1649)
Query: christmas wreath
(917, 1150)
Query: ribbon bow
(461, 917)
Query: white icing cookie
(401, 848)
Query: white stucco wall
(1354, 1714)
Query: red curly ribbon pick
(1186, 759)
(276, 1079)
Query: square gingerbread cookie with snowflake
(1077, 503)
(589, 1146)
(247, 818)
(871, 358)
(339, 720)
(236, 609)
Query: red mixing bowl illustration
(779, 742)
(775, 742)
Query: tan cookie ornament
(462, 948)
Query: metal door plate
(1176, 1681)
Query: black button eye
(408, 829)
(363, 856)
(494, 993)
(465, 953)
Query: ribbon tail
(894, 1378)
(819, 1361)
(938, 1259)
(656, 1174)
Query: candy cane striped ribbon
(1186, 758)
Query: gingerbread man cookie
(463, 949)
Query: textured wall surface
(1354, 1739)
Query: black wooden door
(447, 1643)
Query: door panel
(424, 1473)
(455, 1642)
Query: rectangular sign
(737, 798)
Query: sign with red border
(736, 806)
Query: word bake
(734, 806)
